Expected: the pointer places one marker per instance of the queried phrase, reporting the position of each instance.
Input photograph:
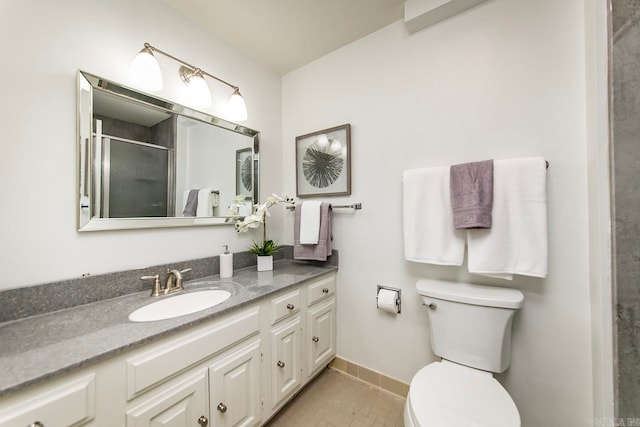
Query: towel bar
(356, 206)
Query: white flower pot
(265, 263)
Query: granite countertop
(38, 348)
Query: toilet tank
(471, 324)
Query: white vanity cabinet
(236, 370)
(68, 401)
(286, 346)
(209, 373)
(321, 324)
(234, 387)
(185, 403)
(303, 336)
(321, 336)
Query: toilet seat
(447, 394)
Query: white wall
(43, 45)
(505, 79)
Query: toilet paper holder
(398, 299)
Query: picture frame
(323, 162)
(244, 172)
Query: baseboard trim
(369, 376)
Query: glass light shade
(198, 94)
(145, 71)
(236, 107)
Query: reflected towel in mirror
(205, 202)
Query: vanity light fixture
(197, 89)
(145, 74)
(145, 71)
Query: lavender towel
(471, 186)
(191, 206)
(323, 248)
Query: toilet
(470, 329)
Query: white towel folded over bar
(517, 242)
(310, 223)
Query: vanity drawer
(285, 305)
(65, 404)
(321, 290)
(164, 360)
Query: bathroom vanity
(236, 363)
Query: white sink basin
(179, 305)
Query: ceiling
(286, 34)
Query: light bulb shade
(236, 107)
(197, 93)
(145, 71)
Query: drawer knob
(280, 364)
(291, 306)
(325, 290)
(203, 421)
(315, 339)
(36, 424)
(222, 407)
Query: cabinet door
(69, 403)
(234, 384)
(321, 336)
(181, 405)
(286, 372)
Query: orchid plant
(259, 218)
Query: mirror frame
(94, 223)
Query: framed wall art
(323, 162)
(244, 172)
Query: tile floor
(335, 399)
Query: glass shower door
(135, 179)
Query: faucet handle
(186, 270)
(156, 284)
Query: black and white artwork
(323, 162)
(244, 172)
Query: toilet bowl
(470, 328)
(444, 394)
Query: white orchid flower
(254, 221)
(258, 218)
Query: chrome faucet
(174, 281)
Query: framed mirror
(144, 162)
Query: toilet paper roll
(387, 300)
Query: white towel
(429, 235)
(517, 241)
(310, 223)
(205, 203)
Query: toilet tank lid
(490, 296)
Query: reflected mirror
(145, 162)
